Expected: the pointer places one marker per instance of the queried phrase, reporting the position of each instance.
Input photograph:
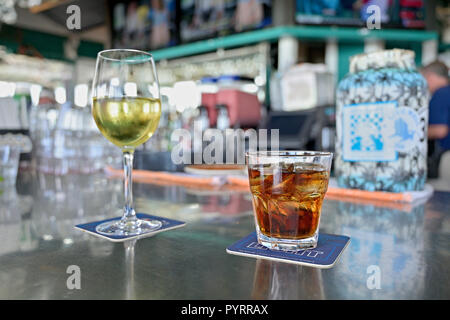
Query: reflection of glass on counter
(9, 164)
(382, 228)
(13, 226)
(129, 260)
(279, 281)
(64, 201)
(225, 206)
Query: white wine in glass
(126, 107)
(127, 122)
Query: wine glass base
(134, 228)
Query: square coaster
(167, 224)
(325, 255)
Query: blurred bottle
(66, 139)
(201, 124)
(175, 122)
(276, 99)
(79, 145)
(223, 119)
(203, 118)
(43, 118)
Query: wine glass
(126, 107)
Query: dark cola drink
(287, 198)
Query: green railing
(300, 32)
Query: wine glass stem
(129, 213)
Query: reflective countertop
(406, 247)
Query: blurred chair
(433, 159)
(444, 167)
(438, 167)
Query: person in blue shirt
(437, 76)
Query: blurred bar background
(222, 64)
(258, 64)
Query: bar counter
(407, 246)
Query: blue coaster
(325, 255)
(167, 224)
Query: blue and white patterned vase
(381, 123)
